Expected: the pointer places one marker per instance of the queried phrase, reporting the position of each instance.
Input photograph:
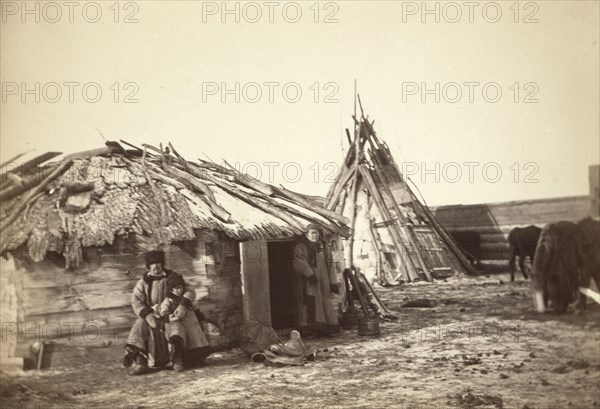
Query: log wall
(11, 295)
(93, 303)
(595, 190)
(494, 221)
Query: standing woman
(315, 282)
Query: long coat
(312, 300)
(147, 293)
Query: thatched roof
(89, 198)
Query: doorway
(281, 284)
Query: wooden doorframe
(256, 296)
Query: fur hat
(311, 226)
(155, 257)
(173, 280)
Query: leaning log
(262, 205)
(30, 164)
(288, 194)
(250, 181)
(27, 183)
(16, 211)
(197, 184)
(88, 154)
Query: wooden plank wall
(93, 303)
(11, 313)
(339, 264)
(493, 221)
(595, 190)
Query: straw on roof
(89, 198)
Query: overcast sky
(172, 71)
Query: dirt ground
(481, 347)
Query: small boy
(168, 309)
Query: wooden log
(182, 161)
(78, 187)
(100, 296)
(288, 194)
(190, 180)
(216, 209)
(158, 174)
(11, 179)
(347, 173)
(48, 274)
(27, 183)
(131, 145)
(250, 181)
(269, 190)
(262, 205)
(330, 226)
(337, 177)
(206, 196)
(152, 148)
(353, 211)
(88, 154)
(166, 180)
(25, 167)
(14, 158)
(57, 321)
(15, 212)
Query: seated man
(147, 342)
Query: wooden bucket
(349, 319)
(368, 326)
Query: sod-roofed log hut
(74, 230)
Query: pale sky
(179, 56)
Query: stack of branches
(201, 177)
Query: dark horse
(566, 260)
(469, 243)
(522, 242)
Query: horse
(566, 260)
(522, 242)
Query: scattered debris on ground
(496, 353)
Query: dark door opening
(281, 284)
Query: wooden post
(595, 191)
(255, 282)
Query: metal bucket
(368, 326)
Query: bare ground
(482, 347)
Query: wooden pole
(383, 210)
(39, 188)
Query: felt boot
(139, 367)
(177, 355)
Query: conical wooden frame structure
(393, 233)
